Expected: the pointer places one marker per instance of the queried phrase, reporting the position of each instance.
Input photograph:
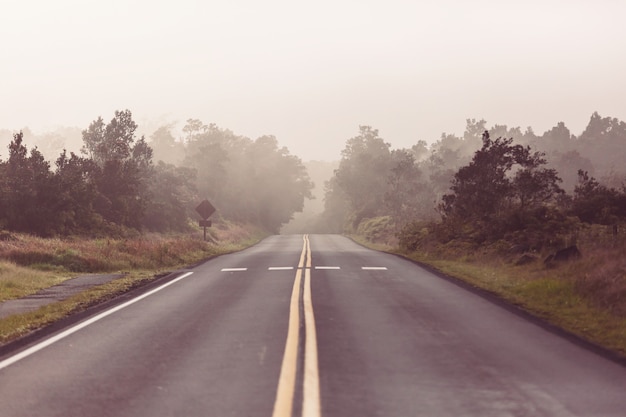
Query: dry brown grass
(586, 296)
(600, 275)
(151, 251)
(29, 263)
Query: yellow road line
(283, 404)
(287, 379)
(306, 252)
(307, 245)
(311, 405)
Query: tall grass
(601, 274)
(29, 263)
(586, 296)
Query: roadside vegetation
(538, 220)
(29, 264)
(155, 252)
(120, 184)
(126, 205)
(585, 296)
(525, 217)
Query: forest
(120, 184)
(493, 207)
(493, 185)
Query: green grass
(18, 325)
(17, 281)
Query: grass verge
(554, 295)
(29, 264)
(18, 325)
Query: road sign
(205, 209)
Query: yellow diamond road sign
(205, 209)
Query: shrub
(377, 229)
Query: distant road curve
(308, 326)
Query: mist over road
(313, 326)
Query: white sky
(311, 72)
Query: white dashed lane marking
(289, 268)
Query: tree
(503, 182)
(30, 194)
(207, 152)
(604, 128)
(407, 197)
(123, 169)
(76, 195)
(438, 173)
(420, 150)
(249, 181)
(567, 164)
(336, 208)
(113, 141)
(362, 173)
(193, 128)
(602, 142)
(172, 192)
(472, 136)
(277, 183)
(166, 147)
(596, 203)
(18, 186)
(533, 187)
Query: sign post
(205, 210)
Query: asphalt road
(308, 326)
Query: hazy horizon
(310, 74)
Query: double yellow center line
(311, 406)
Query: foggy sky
(311, 72)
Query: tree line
(490, 184)
(114, 186)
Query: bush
(377, 229)
(412, 236)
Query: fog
(310, 74)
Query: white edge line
(374, 268)
(234, 269)
(36, 348)
(327, 267)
